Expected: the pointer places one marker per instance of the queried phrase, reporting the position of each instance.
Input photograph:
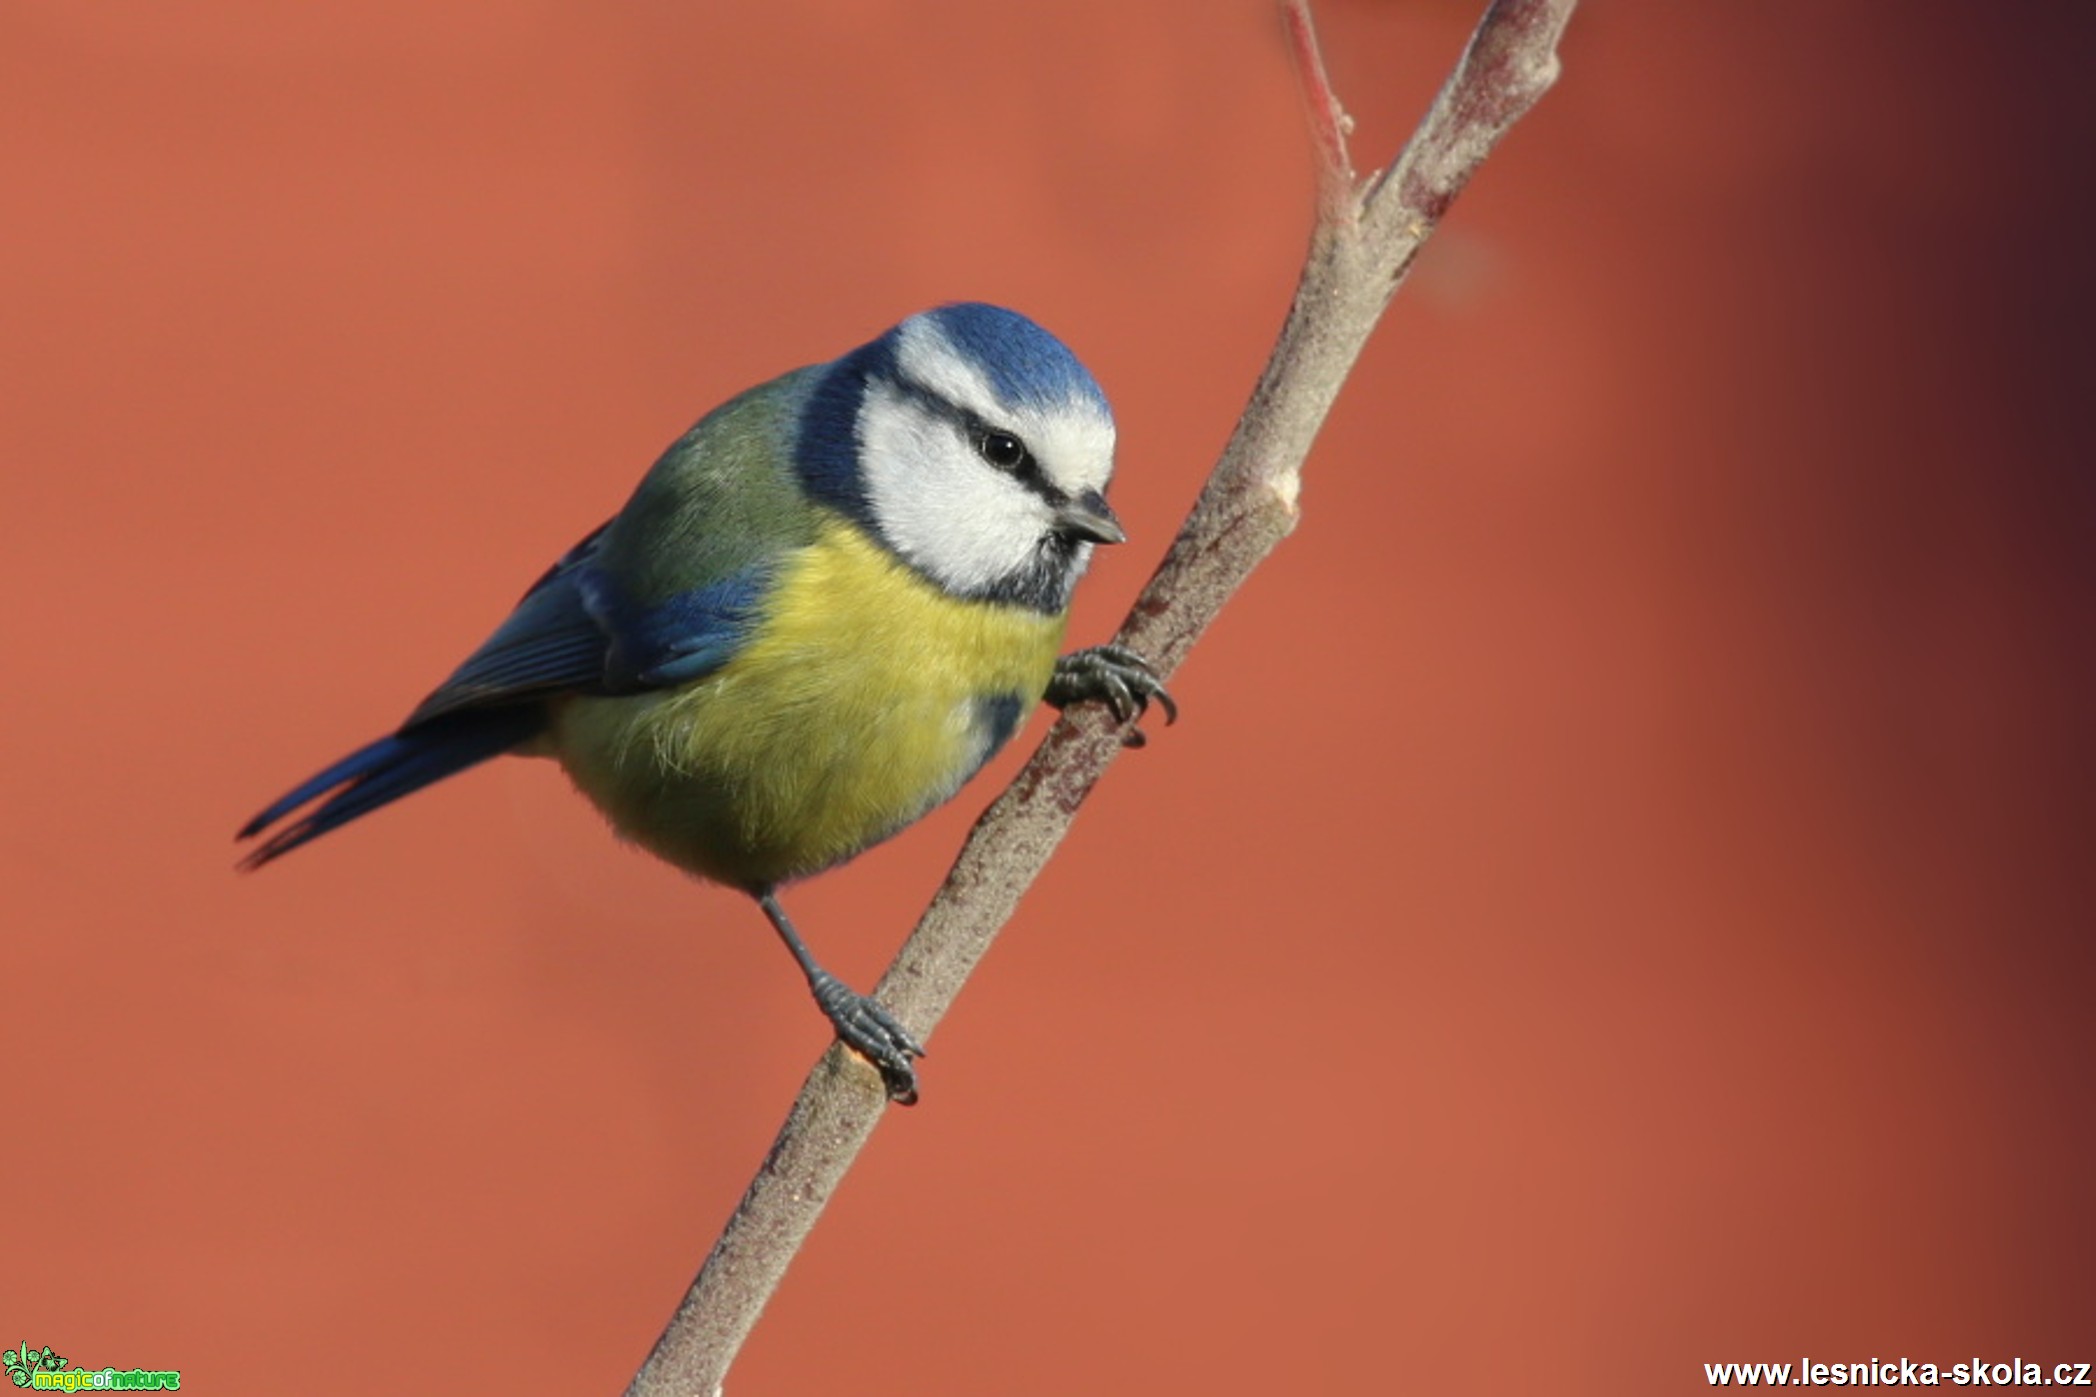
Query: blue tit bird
(821, 612)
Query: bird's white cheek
(981, 529)
(938, 505)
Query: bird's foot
(1117, 677)
(872, 1032)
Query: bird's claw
(1117, 677)
(873, 1033)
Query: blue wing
(573, 632)
(550, 643)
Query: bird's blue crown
(1026, 366)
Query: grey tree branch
(1365, 237)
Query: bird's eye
(1001, 449)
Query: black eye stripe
(980, 433)
(1026, 470)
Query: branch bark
(1363, 242)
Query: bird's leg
(1115, 676)
(864, 1026)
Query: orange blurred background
(1619, 897)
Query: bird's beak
(1088, 516)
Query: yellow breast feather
(864, 697)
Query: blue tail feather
(388, 769)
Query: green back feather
(724, 498)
